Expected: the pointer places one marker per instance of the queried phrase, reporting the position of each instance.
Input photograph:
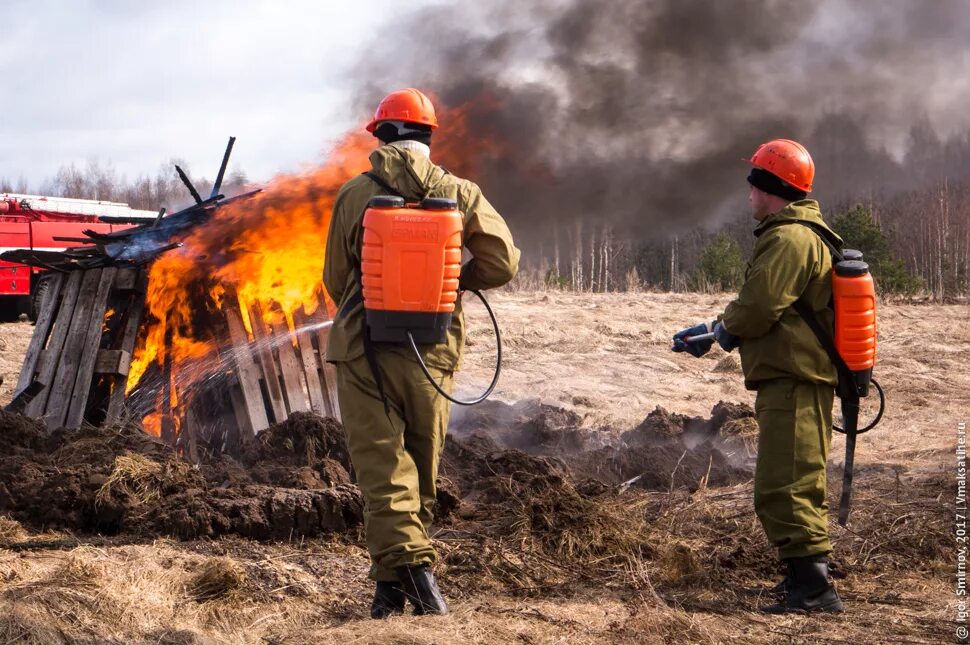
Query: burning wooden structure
(259, 369)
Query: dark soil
(664, 451)
(295, 479)
(293, 482)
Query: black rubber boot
(421, 590)
(388, 599)
(810, 589)
(783, 587)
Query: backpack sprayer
(409, 273)
(853, 350)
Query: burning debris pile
(211, 320)
(258, 263)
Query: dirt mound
(665, 450)
(659, 424)
(305, 451)
(20, 433)
(724, 413)
(531, 513)
(121, 480)
(662, 425)
(304, 439)
(259, 512)
(482, 471)
(295, 478)
(576, 505)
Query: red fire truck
(49, 224)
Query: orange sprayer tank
(855, 317)
(410, 263)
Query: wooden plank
(132, 325)
(267, 363)
(24, 397)
(42, 329)
(187, 435)
(168, 432)
(248, 375)
(243, 421)
(126, 280)
(70, 357)
(89, 350)
(47, 367)
(328, 374)
(293, 380)
(112, 361)
(311, 367)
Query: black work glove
(695, 348)
(724, 338)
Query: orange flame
(153, 423)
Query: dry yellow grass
(133, 475)
(11, 531)
(215, 578)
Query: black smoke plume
(638, 113)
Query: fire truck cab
(48, 224)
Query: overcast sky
(136, 83)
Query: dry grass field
(542, 543)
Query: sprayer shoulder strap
(831, 242)
(824, 337)
(808, 314)
(805, 310)
(382, 184)
(370, 352)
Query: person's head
(404, 115)
(783, 173)
(764, 204)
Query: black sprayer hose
(498, 359)
(882, 408)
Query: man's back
(413, 176)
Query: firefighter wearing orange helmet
(396, 426)
(784, 362)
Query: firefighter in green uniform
(396, 426)
(784, 362)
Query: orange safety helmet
(787, 160)
(405, 105)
